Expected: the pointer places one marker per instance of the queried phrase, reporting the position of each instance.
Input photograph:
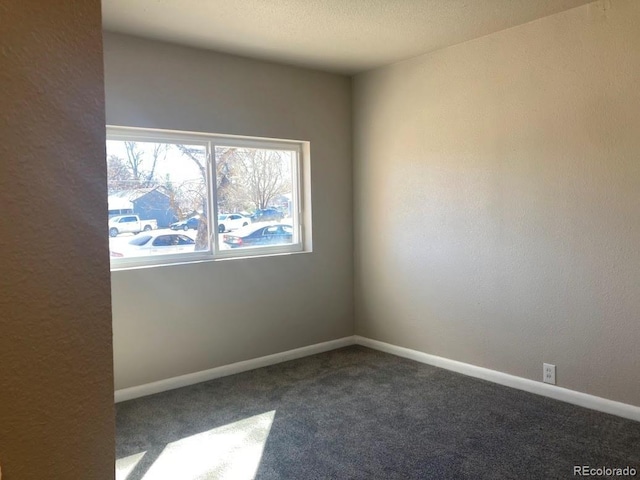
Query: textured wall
(179, 319)
(497, 199)
(56, 381)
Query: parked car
(130, 224)
(260, 235)
(156, 243)
(193, 222)
(231, 221)
(267, 215)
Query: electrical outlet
(549, 373)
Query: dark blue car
(278, 234)
(193, 223)
(267, 215)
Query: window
(140, 241)
(177, 196)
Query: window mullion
(213, 196)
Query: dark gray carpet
(362, 414)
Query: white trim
(209, 141)
(558, 393)
(539, 388)
(225, 370)
(119, 132)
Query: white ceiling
(345, 36)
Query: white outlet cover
(549, 373)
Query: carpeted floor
(355, 413)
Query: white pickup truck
(130, 224)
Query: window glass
(139, 241)
(255, 186)
(164, 241)
(184, 240)
(161, 183)
(164, 187)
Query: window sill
(201, 259)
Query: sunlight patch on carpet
(232, 451)
(124, 466)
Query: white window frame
(210, 142)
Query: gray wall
(497, 201)
(180, 319)
(56, 379)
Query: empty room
(359, 239)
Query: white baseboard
(206, 375)
(552, 391)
